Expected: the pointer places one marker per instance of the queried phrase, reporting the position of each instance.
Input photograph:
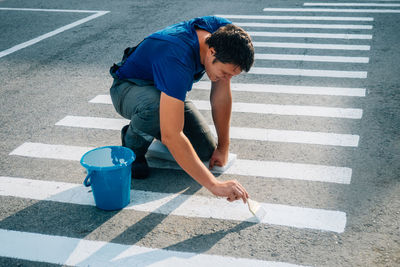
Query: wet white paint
(179, 204)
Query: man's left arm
(221, 107)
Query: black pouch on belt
(127, 52)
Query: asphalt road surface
(315, 127)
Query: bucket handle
(88, 182)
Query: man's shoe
(123, 133)
(140, 168)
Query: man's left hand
(218, 158)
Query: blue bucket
(109, 174)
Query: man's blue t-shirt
(171, 57)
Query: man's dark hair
(232, 45)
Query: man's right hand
(231, 189)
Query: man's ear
(212, 51)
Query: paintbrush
(256, 209)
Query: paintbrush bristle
(256, 209)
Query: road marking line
(270, 135)
(353, 4)
(50, 34)
(295, 171)
(93, 122)
(101, 99)
(267, 169)
(287, 89)
(292, 110)
(333, 10)
(277, 170)
(310, 72)
(312, 35)
(47, 151)
(50, 10)
(179, 204)
(312, 46)
(296, 17)
(348, 113)
(72, 251)
(292, 57)
(307, 26)
(301, 137)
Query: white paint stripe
(338, 59)
(332, 10)
(312, 35)
(295, 171)
(311, 46)
(179, 204)
(270, 135)
(101, 99)
(353, 4)
(269, 88)
(288, 89)
(293, 110)
(50, 34)
(309, 72)
(301, 137)
(93, 122)
(307, 26)
(296, 17)
(348, 113)
(81, 252)
(272, 169)
(49, 10)
(38, 150)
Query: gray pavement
(58, 76)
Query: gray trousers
(141, 105)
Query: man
(150, 87)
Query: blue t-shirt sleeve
(211, 23)
(221, 21)
(172, 77)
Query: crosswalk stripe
(295, 171)
(348, 113)
(93, 122)
(301, 137)
(290, 110)
(354, 4)
(287, 89)
(81, 252)
(296, 17)
(179, 204)
(307, 26)
(311, 46)
(309, 72)
(270, 135)
(333, 10)
(346, 36)
(267, 169)
(292, 57)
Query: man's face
(217, 70)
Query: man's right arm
(171, 125)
